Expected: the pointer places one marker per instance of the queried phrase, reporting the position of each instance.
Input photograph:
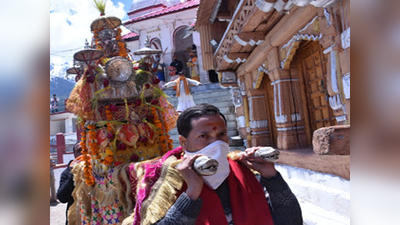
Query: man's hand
(266, 169)
(192, 179)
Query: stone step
(219, 102)
(174, 132)
(209, 92)
(212, 94)
(200, 89)
(329, 195)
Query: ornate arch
(176, 31)
(156, 43)
(310, 32)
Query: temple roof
(167, 10)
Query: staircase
(215, 95)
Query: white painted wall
(57, 127)
(163, 27)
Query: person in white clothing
(185, 97)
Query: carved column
(338, 71)
(288, 113)
(259, 129)
(242, 112)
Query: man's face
(175, 58)
(206, 130)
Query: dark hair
(76, 145)
(184, 122)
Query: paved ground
(57, 214)
(57, 211)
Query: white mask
(217, 150)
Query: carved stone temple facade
(287, 63)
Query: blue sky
(70, 25)
(127, 6)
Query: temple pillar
(259, 126)
(288, 113)
(242, 113)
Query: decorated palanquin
(125, 119)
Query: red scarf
(248, 203)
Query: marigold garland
(118, 37)
(109, 115)
(87, 170)
(164, 139)
(109, 159)
(122, 50)
(93, 146)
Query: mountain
(60, 84)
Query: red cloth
(248, 203)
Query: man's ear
(182, 141)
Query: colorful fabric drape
(152, 171)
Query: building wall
(57, 127)
(286, 109)
(164, 27)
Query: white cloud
(80, 14)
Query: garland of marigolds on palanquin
(146, 145)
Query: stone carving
(260, 75)
(346, 38)
(335, 102)
(281, 119)
(256, 124)
(296, 117)
(228, 77)
(346, 85)
(236, 96)
(237, 60)
(311, 32)
(241, 120)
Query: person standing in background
(53, 197)
(192, 64)
(64, 192)
(158, 68)
(54, 103)
(175, 68)
(183, 92)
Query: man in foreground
(233, 195)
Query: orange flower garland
(118, 37)
(165, 141)
(122, 50)
(87, 170)
(93, 146)
(159, 130)
(109, 115)
(109, 159)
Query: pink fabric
(152, 173)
